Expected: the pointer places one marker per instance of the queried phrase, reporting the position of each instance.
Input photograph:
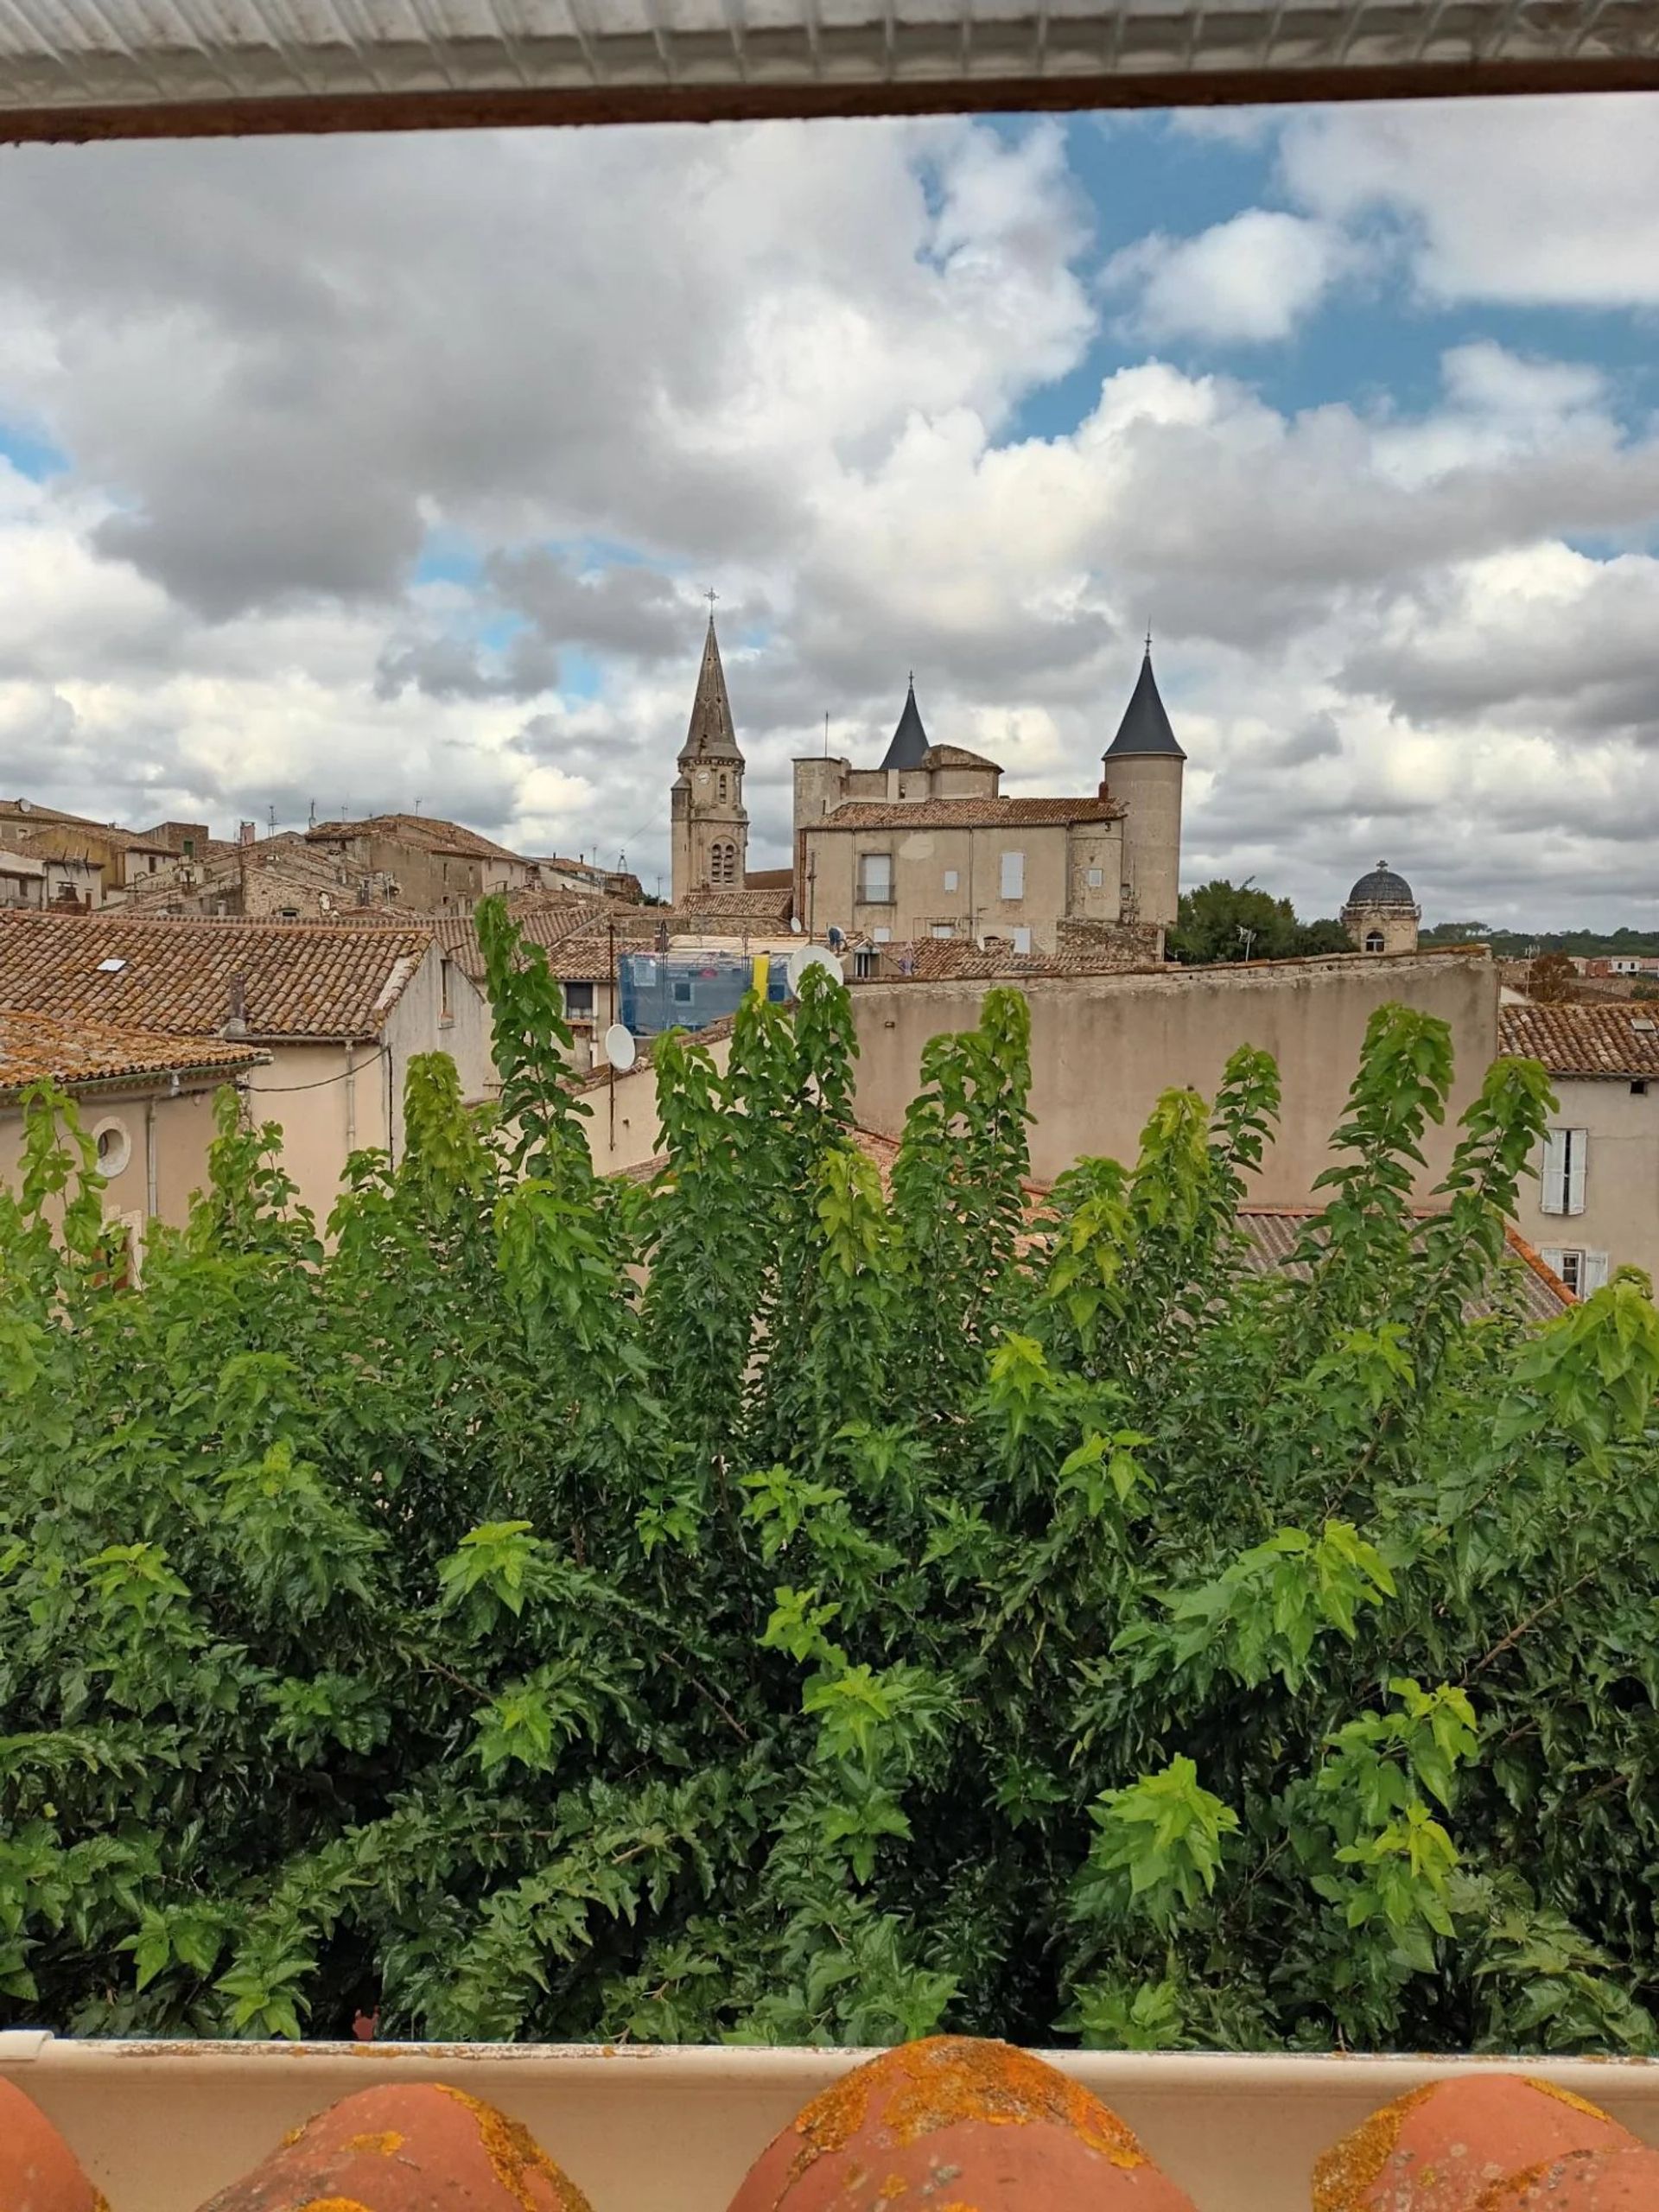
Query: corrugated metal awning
(79, 68)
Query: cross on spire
(711, 596)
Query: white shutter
(1552, 1182)
(1593, 1274)
(1551, 1256)
(1021, 938)
(1578, 1155)
(1013, 875)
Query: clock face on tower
(703, 775)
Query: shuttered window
(1013, 875)
(1566, 1153)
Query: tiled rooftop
(300, 979)
(428, 833)
(959, 959)
(1585, 1041)
(1273, 1233)
(968, 813)
(79, 1053)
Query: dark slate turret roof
(909, 744)
(1145, 727)
(711, 735)
(1382, 888)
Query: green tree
(775, 1604)
(1235, 921)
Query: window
(1374, 941)
(1581, 1272)
(682, 993)
(1021, 938)
(292, 914)
(446, 1006)
(189, 848)
(1567, 1155)
(1639, 1088)
(876, 879)
(722, 861)
(944, 929)
(114, 1147)
(1096, 877)
(722, 785)
(883, 936)
(579, 1002)
(1013, 875)
(950, 879)
(866, 964)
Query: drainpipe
(391, 1149)
(350, 1096)
(151, 1208)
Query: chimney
(245, 833)
(236, 1021)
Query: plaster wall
(621, 1126)
(1104, 1046)
(1621, 1181)
(179, 1130)
(1056, 861)
(1151, 788)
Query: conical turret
(1144, 768)
(908, 745)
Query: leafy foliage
(778, 1604)
(1236, 921)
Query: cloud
(396, 468)
(1251, 280)
(1551, 202)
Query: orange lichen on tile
(384, 2143)
(946, 2079)
(515, 2156)
(1348, 2168)
(1446, 2146)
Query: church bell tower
(710, 822)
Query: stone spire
(711, 735)
(709, 823)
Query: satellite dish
(795, 924)
(620, 1048)
(810, 956)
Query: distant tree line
(1525, 944)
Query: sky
(380, 473)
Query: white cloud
(1541, 201)
(608, 370)
(1249, 281)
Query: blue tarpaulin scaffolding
(657, 991)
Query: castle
(926, 844)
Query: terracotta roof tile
(959, 959)
(80, 1053)
(751, 902)
(1585, 1041)
(300, 979)
(1273, 1233)
(1237, 2130)
(968, 813)
(427, 833)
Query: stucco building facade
(927, 845)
